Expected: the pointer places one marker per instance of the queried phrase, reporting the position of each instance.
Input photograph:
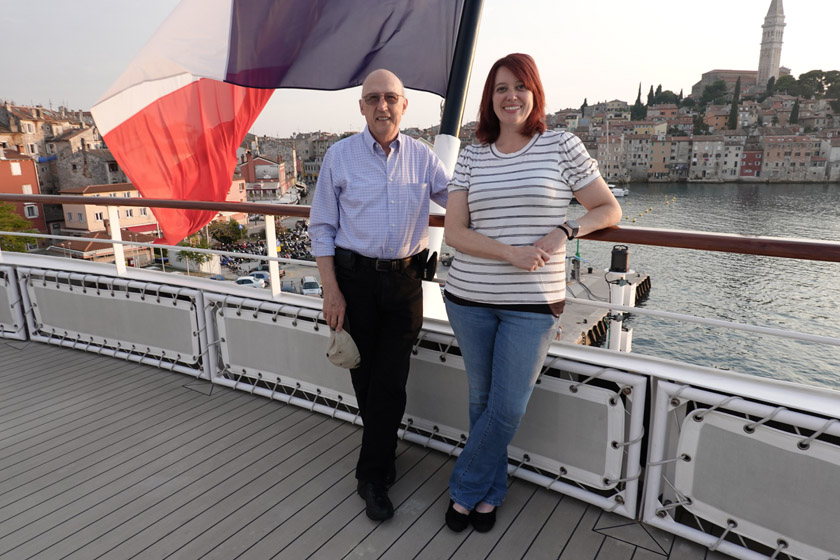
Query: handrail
(806, 249)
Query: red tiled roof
(94, 189)
(9, 153)
(83, 246)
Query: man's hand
(334, 306)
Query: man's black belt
(381, 265)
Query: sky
(60, 52)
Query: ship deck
(103, 458)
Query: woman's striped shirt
(516, 199)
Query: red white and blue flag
(176, 117)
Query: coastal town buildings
(19, 175)
(83, 219)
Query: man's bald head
(383, 104)
(382, 74)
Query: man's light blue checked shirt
(375, 205)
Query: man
(369, 231)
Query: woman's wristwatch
(571, 228)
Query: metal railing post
(114, 224)
(271, 251)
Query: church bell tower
(771, 43)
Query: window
(27, 189)
(113, 167)
(32, 149)
(113, 194)
(16, 168)
(74, 167)
(98, 216)
(69, 216)
(127, 195)
(30, 210)
(144, 211)
(129, 213)
(80, 216)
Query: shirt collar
(372, 144)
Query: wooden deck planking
(103, 458)
(142, 516)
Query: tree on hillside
(11, 221)
(831, 78)
(667, 96)
(651, 97)
(769, 90)
(732, 122)
(794, 113)
(700, 127)
(833, 92)
(715, 93)
(788, 85)
(638, 111)
(688, 102)
(812, 84)
(583, 107)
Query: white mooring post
(621, 293)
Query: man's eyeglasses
(372, 99)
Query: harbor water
(789, 294)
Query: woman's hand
(552, 241)
(528, 258)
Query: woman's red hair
(524, 68)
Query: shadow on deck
(102, 458)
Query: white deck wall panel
(763, 481)
(151, 323)
(747, 468)
(12, 322)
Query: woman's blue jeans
(503, 353)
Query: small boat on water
(618, 191)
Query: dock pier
(585, 325)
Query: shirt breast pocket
(414, 194)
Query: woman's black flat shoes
(456, 520)
(483, 522)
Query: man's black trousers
(384, 316)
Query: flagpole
(459, 73)
(447, 143)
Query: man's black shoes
(377, 504)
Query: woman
(506, 286)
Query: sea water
(789, 294)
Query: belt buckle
(382, 265)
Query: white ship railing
(745, 465)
